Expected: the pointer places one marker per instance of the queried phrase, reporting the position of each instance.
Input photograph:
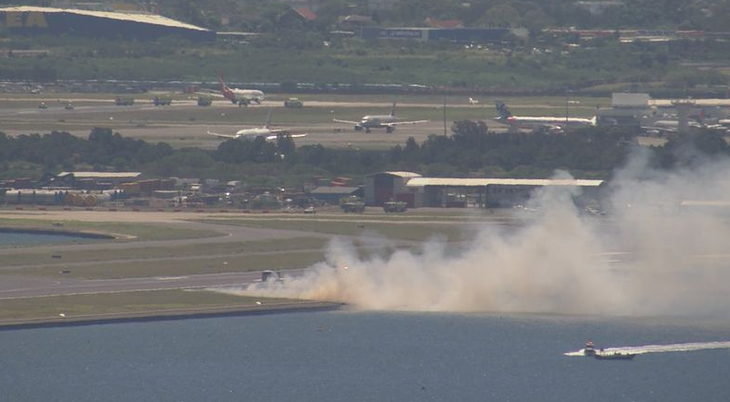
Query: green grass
(160, 252)
(128, 231)
(132, 303)
(174, 267)
(411, 231)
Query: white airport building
(447, 192)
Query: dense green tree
(470, 150)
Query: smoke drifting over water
(648, 256)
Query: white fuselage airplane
(241, 96)
(388, 122)
(550, 123)
(660, 127)
(270, 134)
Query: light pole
(444, 115)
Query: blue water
(356, 356)
(33, 239)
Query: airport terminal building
(443, 192)
(27, 20)
(458, 35)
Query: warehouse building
(419, 191)
(27, 20)
(460, 35)
(332, 194)
(389, 186)
(97, 180)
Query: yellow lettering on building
(36, 20)
(13, 19)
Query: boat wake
(676, 347)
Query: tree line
(471, 150)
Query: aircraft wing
(221, 135)
(209, 92)
(274, 137)
(658, 130)
(400, 123)
(346, 121)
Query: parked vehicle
(124, 101)
(162, 100)
(395, 206)
(293, 103)
(352, 204)
(205, 100)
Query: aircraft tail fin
(225, 91)
(503, 110)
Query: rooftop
(334, 190)
(404, 175)
(470, 182)
(306, 13)
(126, 16)
(102, 175)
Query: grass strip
(64, 258)
(178, 267)
(132, 303)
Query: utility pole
(444, 115)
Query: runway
(15, 283)
(15, 287)
(184, 124)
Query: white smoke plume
(647, 256)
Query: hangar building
(460, 35)
(333, 194)
(389, 186)
(28, 20)
(419, 191)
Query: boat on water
(614, 356)
(590, 350)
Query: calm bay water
(33, 239)
(362, 356)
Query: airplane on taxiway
(269, 133)
(388, 122)
(243, 97)
(538, 123)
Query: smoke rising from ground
(648, 256)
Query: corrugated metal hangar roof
(404, 175)
(470, 182)
(334, 190)
(102, 175)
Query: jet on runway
(388, 122)
(539, 123)
(266, 131)
(243, 97)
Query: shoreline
(168, 315)
(59, 232)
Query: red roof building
(306, 13)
